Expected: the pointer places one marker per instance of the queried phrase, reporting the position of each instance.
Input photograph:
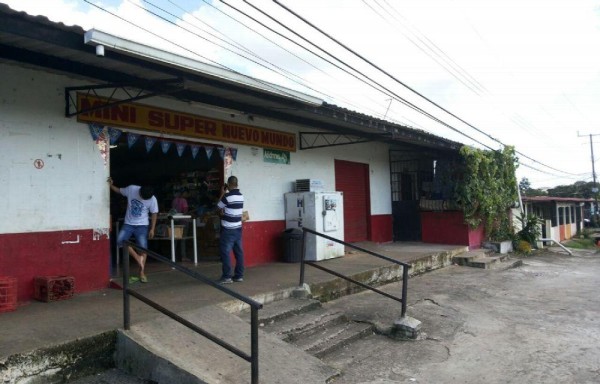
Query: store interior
(174, 172)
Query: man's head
(146, 192)
(232, 182)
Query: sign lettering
(149, 118)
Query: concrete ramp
(167, 352)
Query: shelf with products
(200, 188)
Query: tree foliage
(488, 189)
(580, 189)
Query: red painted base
(262, 242)
(71, 253)
(449, 228)
(381, 229)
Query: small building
(562, 217)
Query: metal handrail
(252, 358)
(405, 268)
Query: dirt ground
(538, 323)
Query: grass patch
(580, 244)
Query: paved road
(539, 323)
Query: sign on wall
(275, 156)
(149, 118)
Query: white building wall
(264, 184)
(70, 191)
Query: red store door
(353, 180)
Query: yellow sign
(149, 118)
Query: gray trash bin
(292, 245)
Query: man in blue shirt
(231, 205)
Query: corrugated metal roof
(549, 199)
(35, 41)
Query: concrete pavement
(37, 326)
(539, 323)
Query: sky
(487, 73)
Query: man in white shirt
(141, 203)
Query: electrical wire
(391, 93)
(406, 86)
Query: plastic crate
(178, 231)
(8, 293)
(53, 288)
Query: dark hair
(233, 181)
(146, 192)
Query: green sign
(276, 156)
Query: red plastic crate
(8, 293)
(53, 288)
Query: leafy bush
(523, 247)
(530, 228)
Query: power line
(406, 86)
(397, 97)
(423, 44)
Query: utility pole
(595, 188)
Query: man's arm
(153, 219)
(112, 186)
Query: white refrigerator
(322, 212)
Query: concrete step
(488, 261)
(281, 309)
(466, 257)
(166, 352)
(333, 337)
(303, 325)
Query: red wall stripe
(381, 228)
(26, 255)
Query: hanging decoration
(149, 143)
(114, 135)
(195, 149)
(209, 151)
(100, 137)
(227, 161)
(132, 138)
(165, 146)
(96, 130)
(180, 148)
(221, 152)
(233, 153)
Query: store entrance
(186, 178)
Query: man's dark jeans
(231, 239)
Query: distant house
(562, 217)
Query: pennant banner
(209, 151)
(221, 152)
(132, 138)
(180, 148)
(195, 149)
(114, 134)
(165, 146)
(96, 130)
(233, 153)
(150, 142)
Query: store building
(73, 115)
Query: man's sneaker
(238, 279)
(225, 281)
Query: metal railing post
(126, 311)
(195, 242)
(404, 289)
(254, 344)
(302, 254)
